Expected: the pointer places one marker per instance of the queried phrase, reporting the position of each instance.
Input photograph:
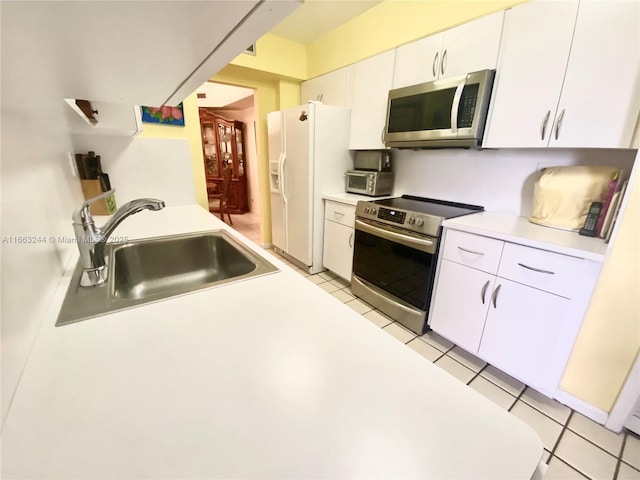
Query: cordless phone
(589, 228)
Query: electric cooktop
(418, 214)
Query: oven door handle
(422, 244)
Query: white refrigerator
(308, 157)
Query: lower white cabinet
(461, 304)
(520, 332)
(339, 232)
(518, 308)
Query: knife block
(93, 188)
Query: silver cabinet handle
(470, 251)
(494, 297)
(483, 292)
(558, 123)
(382, 134)
(543, 127)
(336, 212)
(539, 270)
(351, 240)
(434, 67)
(443, 63)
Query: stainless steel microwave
(451, 112)
(373, 184)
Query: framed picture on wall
(164, 115)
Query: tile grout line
(477, 374)
(564, 429)
(619, 459)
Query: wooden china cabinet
(223, 145)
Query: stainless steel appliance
(373, 160)
(450, 112)
(395, 251)
(365, 182)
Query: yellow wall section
(278, 56)
(609, 338)
(190, 132)
(390, 24)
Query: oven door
(395, 262)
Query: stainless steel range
(395, 252)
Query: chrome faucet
(91, 240)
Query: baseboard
(580, 406)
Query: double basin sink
(149, 270)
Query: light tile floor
(247, 224)
(575, 446)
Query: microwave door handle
(456, 104)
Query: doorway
(228, 123)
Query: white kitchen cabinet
(516, 307)
(600, 102)
(330, 88)
(418, 62)
(138, 53)
(467, 48)
(521, 330)
(533, 57)
(460, 307)
(567, 76)
(372, 80)
(339, 231)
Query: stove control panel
(395, 216)
(405, 219)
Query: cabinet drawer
(473, 250)
(551, 272)
(340, 213)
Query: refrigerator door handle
(283, 193)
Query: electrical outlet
(72, 165)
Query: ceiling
(310, 21)
(314, 18)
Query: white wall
(499, 180)
(144, 167)
(38, 198)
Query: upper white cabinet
(134, 53)
(468, 48)
(330, 88)
(418, 62)
(372, 80)
(558, 88)
(601, 96)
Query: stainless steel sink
(153, 269)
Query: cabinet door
(534, 51)
(521, 331)
(598, 107)
(372, 81)
(472, 46)
(417, 62)
(330, 88)
(338, 249)
(460, 304)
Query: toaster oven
(373, 184)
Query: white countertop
(267, 377)
(520, 230)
